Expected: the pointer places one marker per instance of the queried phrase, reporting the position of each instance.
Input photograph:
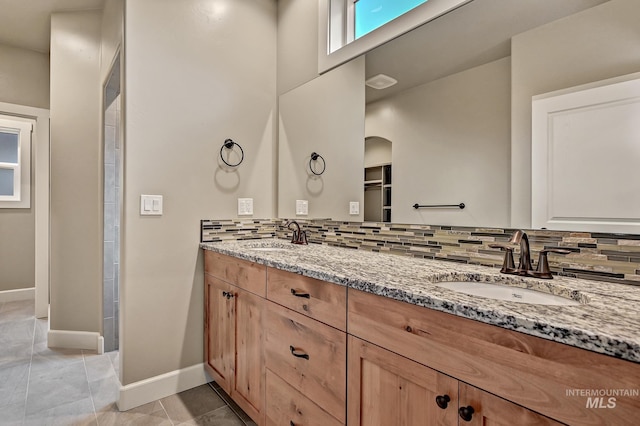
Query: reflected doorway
(377, 179)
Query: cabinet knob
(443, 401)
(466, 413)
(296, 294)
(227, 294)
(297, 353)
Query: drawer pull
(443, 401)
(296, 294)
(466, 413)
(227, 294)
(298, 354)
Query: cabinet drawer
(530, 371)
(317, 299)
(286, 406)
(246, 275)
(308, 355)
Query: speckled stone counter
(607, 320)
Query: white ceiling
(27, 23)
(474, 34)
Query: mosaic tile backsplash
(595, 256)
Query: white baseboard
(157, 387)
(19, 294)
(88, 340)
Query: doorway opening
(112, 192)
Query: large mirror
(458, 121)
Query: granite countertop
(608, 323)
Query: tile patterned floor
(43, 386)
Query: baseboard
(157, 387)
(18, 294)
(88, 340)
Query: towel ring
(229, 144)
(314, 157)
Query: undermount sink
(509, 293)
(270, 245)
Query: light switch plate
(150, 205)
(245, 206)
(302, 207)
(354, 207)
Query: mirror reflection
(453, 98)
(459, 117)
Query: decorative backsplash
(595, 256)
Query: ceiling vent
(381, 81)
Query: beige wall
(24, 80)
(196, 73)
(297, 43)
(76, 191)
(450, 144)
(596, 44)
(24, 77)
(311, 121)
(112, 35)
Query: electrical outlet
(354, 207)
(302, 207)
(245, 206)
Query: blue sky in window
(371, 14)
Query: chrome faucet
(525, 267)
(299, 236)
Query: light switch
(302, 207)
(245, 206)
(354, 207)
(150, 205)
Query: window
(372, 14)
(349, 28)
(15, 163)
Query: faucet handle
(543, 270)
(508, 265)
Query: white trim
(18, 294)
(157, 387)
(88, 340)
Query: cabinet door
(219, 331)
(489, 409)
(388, 389)
(249, 374)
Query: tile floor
(43, 386)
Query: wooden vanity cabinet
(305, 351)
(388, 389)
(234, 338)
(506, 376)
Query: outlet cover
(354, 207)
(302, 207)
(245, 206)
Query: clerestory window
(372, 14)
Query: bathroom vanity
(319, 335)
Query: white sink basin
(270, 245)
(503, 292)
(269, 249)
